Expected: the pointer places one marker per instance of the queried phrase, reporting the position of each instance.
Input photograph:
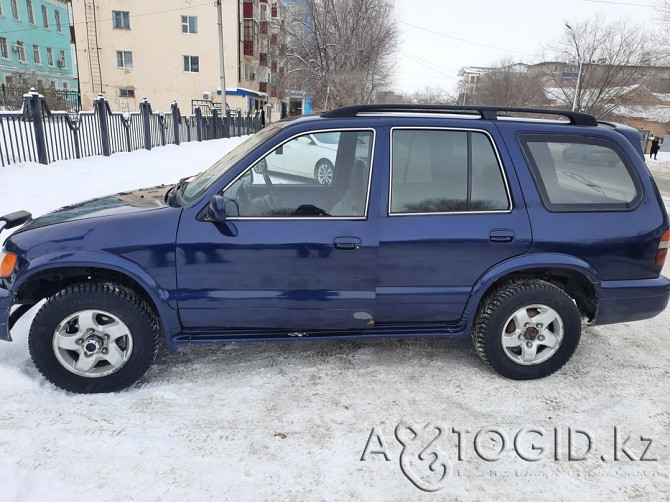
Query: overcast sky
(490, 30)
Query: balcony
(265, 27)
(274, 11)
(263, 86)
(249, 48)
(273, 66)
(248, 11)
(264, 59)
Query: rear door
(454, 210)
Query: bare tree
(341, 51)
(433, 96)
(606, 59)
(510, 85)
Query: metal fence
(11, 98)
(36, 134)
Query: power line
(428, 65)
(462, 39)
(36, 27)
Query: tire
(536, 349)
(91, 338)
(324, 172)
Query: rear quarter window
(575, 173)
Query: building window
(4, 50)
(45, 17)
(126, 93)
(121, 19)
(65, 86)
(50, 56)
(124, 59)
(15, 10)
(189, 24)
(31, 13)
(52, 83)
(191, 64)
(9, 79)
(19, 47)
(36, 54)
(61, 58)
(59, 25)
(2, 13)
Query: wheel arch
(46, 278)
(574, 276)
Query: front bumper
(6, 301)
(624, 301)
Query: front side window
(321, 174)
(189, 24)
(124, 59)
(121, 19)
(580, 173)
(191, 64)
(445, 171)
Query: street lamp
(579, 71)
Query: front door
(292, 255)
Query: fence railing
(37, 134)
(11, 98)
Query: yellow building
(169, 51)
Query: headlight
(7, 264)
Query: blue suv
(367, 221)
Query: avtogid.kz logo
(425, 462)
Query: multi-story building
(36, 44)
(168, 51)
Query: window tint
(575, 173)
(313, 175)
(439, 171)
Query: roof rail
(486, 112)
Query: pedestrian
(654, 147)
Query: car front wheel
(94, 338)
(526, 329)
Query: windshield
(205, 179)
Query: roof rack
(485, 112)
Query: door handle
(501, 236)
(347, 243)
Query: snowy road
(296, 421)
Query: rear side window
(444, 171)
(580, 173)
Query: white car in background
(309, 156)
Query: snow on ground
(291, 420)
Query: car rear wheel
(526, 329)
(94, 338)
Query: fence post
(215, 124)
(238, 119)
(198, 123)
(226, 124)
(34, 101)
(176, 121)
(100, 105)
(145, 110)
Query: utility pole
(222, 67)
(579, 78)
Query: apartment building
(36, 44)
(169, 51)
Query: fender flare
(161, 297)
(519, 264)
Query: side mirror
(216, 210)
